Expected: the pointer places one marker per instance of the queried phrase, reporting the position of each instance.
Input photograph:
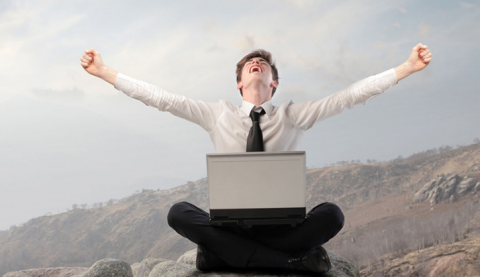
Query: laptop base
(251, 222)
(249, 217)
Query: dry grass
(412, 234)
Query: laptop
(257, 188)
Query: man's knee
(176, 214)
(331, 213)
(338, 216)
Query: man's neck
(256, 96)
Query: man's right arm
(199, 112)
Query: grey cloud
(70, 95)
(424, 30)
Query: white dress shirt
(282, 127)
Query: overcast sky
(67, 137)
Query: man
(258, 125)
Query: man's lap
(321, 224)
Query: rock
(452, 198)
(442, 188)
(189, 257)
(102, 268)
(50, 272)
(422, 194)
(436, 195)
(109, 267)
(186, 268)
(451, 259)
(465, 186)
(477, 187)
(144, 268)
(473, 168)
(173, 269)
(449, 187)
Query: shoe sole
(327, 259)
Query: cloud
(304, 4)
(396, 24)
(424, 30)
(466, 5)
(34, 38)
(69, 95)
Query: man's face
(256, 70)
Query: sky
(67, 137)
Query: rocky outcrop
(105, 267)
(446, 187)
(183, 267)
(50, 272)
(186, 262)
(455, 259)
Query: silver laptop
(257, 188)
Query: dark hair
(255, 54)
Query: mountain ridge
(135, 228)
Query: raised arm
(202, 113)
(92, 62)
(305, 115)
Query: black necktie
(255, 137)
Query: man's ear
(274, 84)
(239, 85)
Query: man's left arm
(305, 115)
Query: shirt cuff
(385, 80)
(390, 77)
(122, 81)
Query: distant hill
(371, 196)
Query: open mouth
(256, 68)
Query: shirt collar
(247, 107)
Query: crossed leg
(236, 244)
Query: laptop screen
(257, 180)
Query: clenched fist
(93, 64)
(419, 58)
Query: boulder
(174, 269)
(465, 186)
(144, 268)
(109, 267)
(452, 198)
(449, 187)
(189, 257)
(436, 195)
(424, 192)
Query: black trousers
(236, 244)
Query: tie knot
(256, 115)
